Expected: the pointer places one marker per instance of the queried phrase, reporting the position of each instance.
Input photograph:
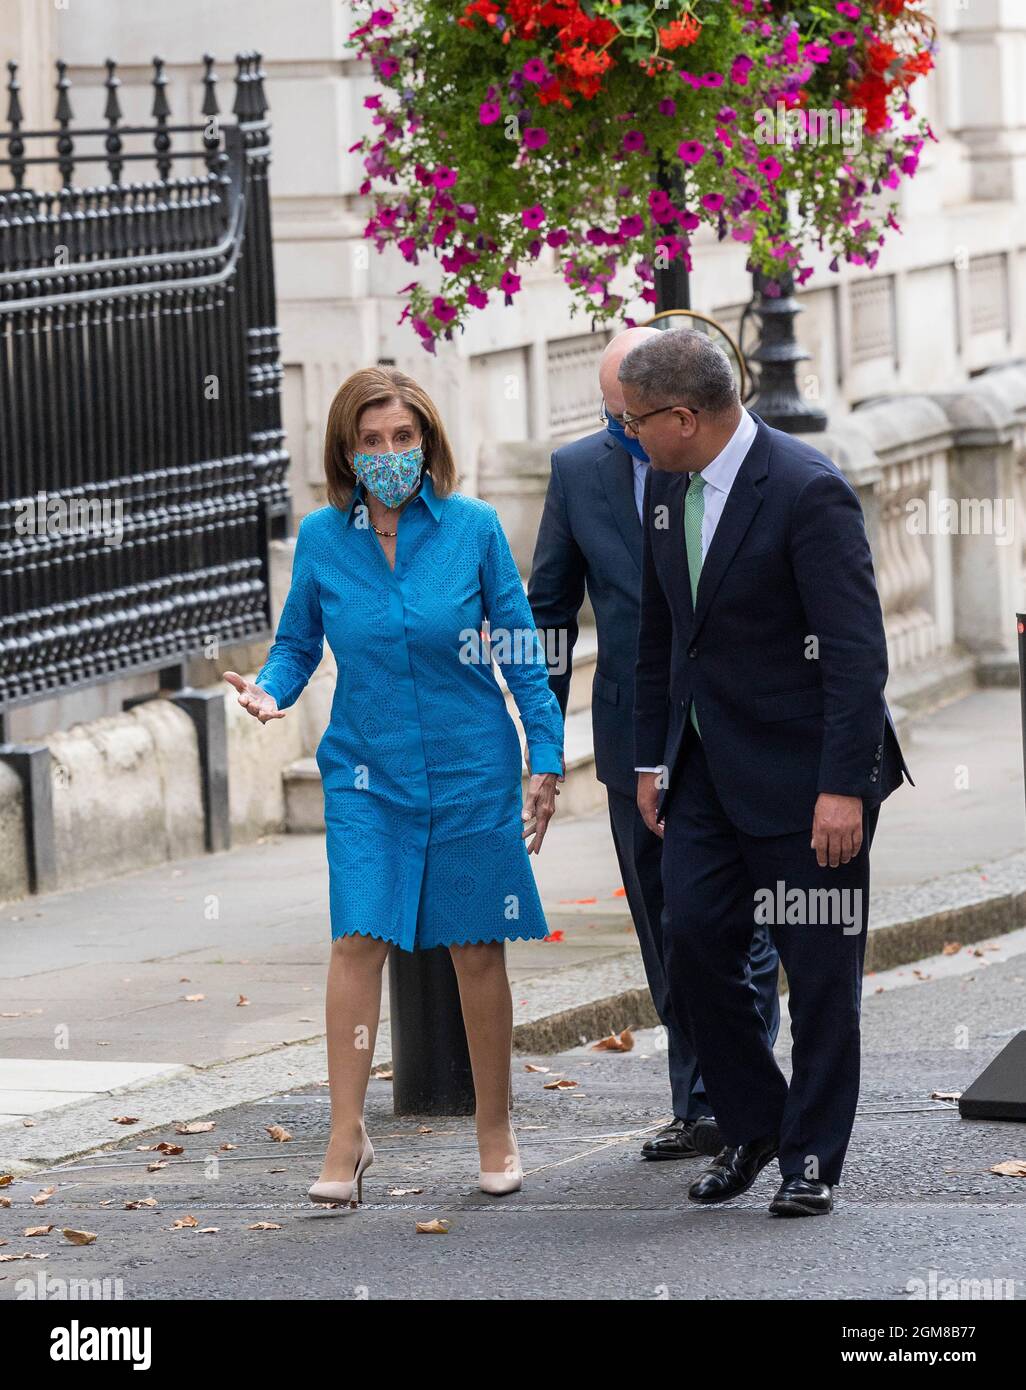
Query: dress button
(692, 651)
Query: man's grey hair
(683, 366)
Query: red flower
(681, 33)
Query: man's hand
(539, 808)
(836, 829)
(648, 797)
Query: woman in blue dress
(428, 835)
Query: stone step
(580, 794)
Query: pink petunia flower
(489, 112)
(535, 137)
(533, 217)
(690, 151)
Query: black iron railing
(142, 458)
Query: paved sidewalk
(94, 984)
(594, 1221)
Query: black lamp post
(778, 400)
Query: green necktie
(694, 511)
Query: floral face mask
(392, 478)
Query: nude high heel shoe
(501, 1184)
(343, 1192)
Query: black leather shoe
(802, 1197)
(706, 1136)
(676, 1140)
(733, 1171)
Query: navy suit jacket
(590, 536)
(783, 651)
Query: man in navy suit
(760, 697)
(590, 537)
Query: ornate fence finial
(112, 115)
(244, 80)
(160, 112)
(15, 116)
(64, 117)
(259, 100)
(211, 111)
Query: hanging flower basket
(603, 134)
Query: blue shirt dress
(420, 762)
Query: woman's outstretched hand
(539, 808)
(252, 698)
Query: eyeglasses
(631, 422)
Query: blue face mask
(616, 429)
(391, 477)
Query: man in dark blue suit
(760, 697)
(590, 538)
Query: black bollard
(430, 1062)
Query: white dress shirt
(719, 478)
(641, 467)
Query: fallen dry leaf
(530, 1066)
(241, 1002)
(278, 1133)
(5, 1201)
(6, 1179)
(43, 1195)
(264, 1226)
(184, 1222)
(1012, 1168)
(193, 1127)
(563, 1084)
(5, 1259)
(142, 1202)
(125, 1119)
(945, 1095)
(951, 948)
(78, 1237)
(222, 1148)
(277, 1170)
(616, 1042)
(405, 1191)
(425, 1129)
(385, 1074)
(433, 1228)
(38, 1230)
(156, 1167)
(28, 1124)
(208, 1230)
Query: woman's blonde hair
(378, 386)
